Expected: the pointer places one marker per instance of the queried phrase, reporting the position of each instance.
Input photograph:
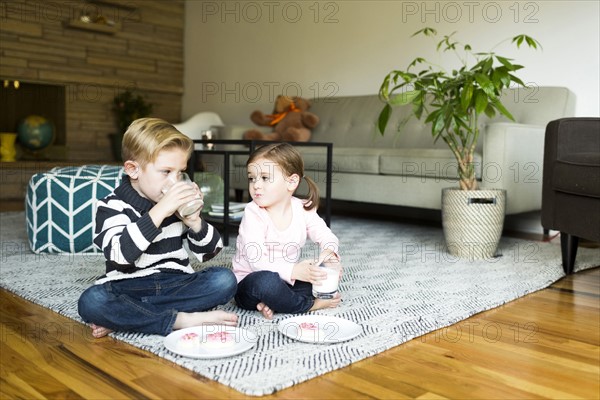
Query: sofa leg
(568, 247)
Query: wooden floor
(544, 345)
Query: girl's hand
(331, 260)
(327, 256)
(308, 271)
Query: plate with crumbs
(319, 328)
(210, 341)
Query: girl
(271, 277)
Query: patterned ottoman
(60, 207)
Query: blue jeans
(150, 304)
(268, 287)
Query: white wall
(239, 55)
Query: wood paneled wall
(41, 42)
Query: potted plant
(453, 102)
(127, 106)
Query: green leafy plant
(129, 106)
(453, 101)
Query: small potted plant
(127, 106)
(453, 102)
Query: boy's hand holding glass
(185, 194)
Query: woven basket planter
(473, 221)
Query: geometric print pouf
(60, 207)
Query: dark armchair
(571, 186)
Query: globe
(35, 132)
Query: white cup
(329, 286)
(191, 207)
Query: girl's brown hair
(146, 137)
(290, 161)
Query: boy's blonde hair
(290, 161)
(146, 137)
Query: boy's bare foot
(99, 331)
(215, 317)
(319, 304)
(265, 310)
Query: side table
(247, 149)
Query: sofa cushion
(427, 163)
(364, 161)
(578, 173)
(351, 121)
(61, 205)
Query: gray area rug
(398, 284)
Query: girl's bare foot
(265, 310)
(326, 303)
(99, 331)
(215, 317)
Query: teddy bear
(291, 121)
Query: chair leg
(568, 247)
(546, 233)
(239, 195)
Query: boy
(149, 285)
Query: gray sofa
(405, 168)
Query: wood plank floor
(544, 345)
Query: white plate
(328, 329)
(244, 341)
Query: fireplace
(21, 99)
(70, 70)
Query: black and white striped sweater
(135, 247)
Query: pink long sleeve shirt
(261, 247)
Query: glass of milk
(329, 286)
(191, 207)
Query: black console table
(248, 147)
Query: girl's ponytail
(312, 199)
